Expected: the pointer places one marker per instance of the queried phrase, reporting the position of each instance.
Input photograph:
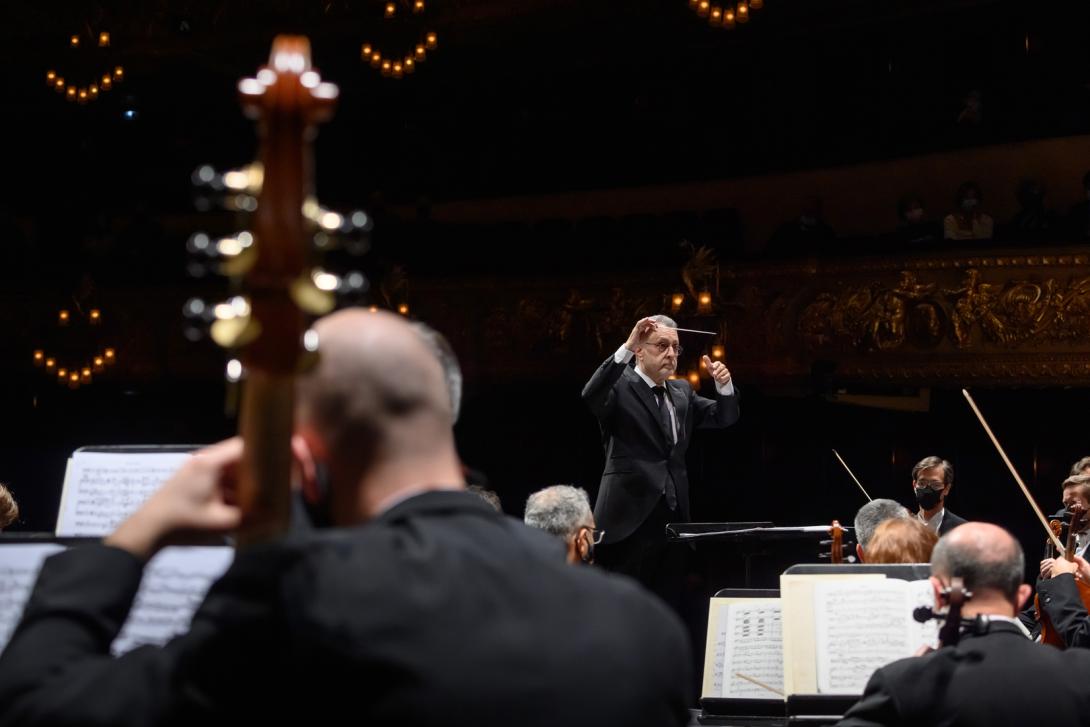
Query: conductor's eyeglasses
(662, 346)
(931, 484)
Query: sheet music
(175, 582)
(19, 566)
(103, 488)
(753, 645)
(719, 644)
(863, 626)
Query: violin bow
(852, 475)
(1014, 472)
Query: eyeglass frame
(931, 484)
(662, 346)
(596, 535)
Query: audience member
(9, 509)
(421, 605)
(914, 229)
(807, 234)
(1033, 223)
(995, 675)
(901, 540)
(564, 512)
(967, 221)
(869, 517)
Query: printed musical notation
(19, 566)
(103, 488)
(862, 626)
(748, 640)
(175, 582)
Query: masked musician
(564, 512)
(932, 478)
(995, 675)
(420, 604)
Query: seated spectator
(419, 605)
(1032, 223)
(564, 511)
(487, 495)
(9, 509)
(807, 234)
(869, 517)
(1078, 218)
(913, 227)
(967, 221)
(901, 541)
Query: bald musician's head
(377, 410)
(990, 563)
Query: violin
(836, 545)
(1076, 524)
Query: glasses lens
(933, 484)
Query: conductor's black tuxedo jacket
(640, 455)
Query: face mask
(969, 204)
(928, 498)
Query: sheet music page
(103, 488)
(19, 566)
(926, 633)
(753, 645)
(859, 628)
(715, 648)
(174, 585)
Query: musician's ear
(937, 589)
(1024, 592)
(305, 468)
(859, 553)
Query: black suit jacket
(439, 612)
(997, 679)
(949, 522)
(639, 453)
(1059, 597)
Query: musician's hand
(1062, 565)
(643, 328)
(924, 650)
(1046, 567)
(718, 371)
(1083, 573)
(197, 499)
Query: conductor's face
(657, 356)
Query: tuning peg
(235, 190)
(198, 316)
(234, 326)
(232, 255)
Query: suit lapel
(647, 397)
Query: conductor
(646, 420)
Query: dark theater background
(550, 172)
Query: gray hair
(980, 561)
(664, 321)
(1080, 481)
(452, 372)
(559, 510)
(873, 514)
(1079, 467)
(487, 495)
(928, 462)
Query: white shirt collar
(647, 379)
(934, 522)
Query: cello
(271, 268)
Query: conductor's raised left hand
(718, 371)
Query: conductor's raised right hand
(640, 332)
(197, 500)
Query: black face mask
(928, 498)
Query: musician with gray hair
(870, 516)
(564, 511)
